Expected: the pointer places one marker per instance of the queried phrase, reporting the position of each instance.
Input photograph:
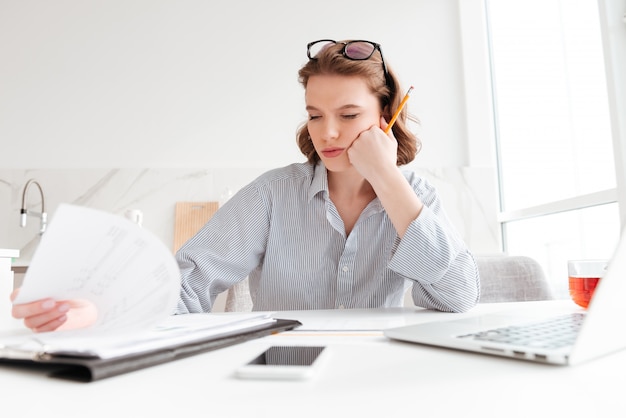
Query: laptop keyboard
(548, 334)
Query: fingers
(49, 315)
(46, 315)
(384, 125)
(42, 315)
(46, 326)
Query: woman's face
(339, 109)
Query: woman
(346, 229)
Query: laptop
(596, 331)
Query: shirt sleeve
(224, 251)
(435, 258)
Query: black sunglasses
(358, 50)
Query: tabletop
(365, 374)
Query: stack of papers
(175, 331)
(133, 281)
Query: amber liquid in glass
(581, 289)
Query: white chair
(238, 298)
(511, 278)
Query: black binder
(85, 369)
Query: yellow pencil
(395, 115)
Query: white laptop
(600, 328)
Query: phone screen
(288, 356)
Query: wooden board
(189, 218)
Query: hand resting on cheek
(374, 151)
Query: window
(554, 142)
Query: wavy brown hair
(331, 61)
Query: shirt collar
(320, 180)
(320, 184)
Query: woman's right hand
(50, 315)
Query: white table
(366, 375)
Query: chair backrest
(238, 298)
(189, 218)
(511, 278)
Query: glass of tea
(584, 276)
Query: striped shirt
(284, 233)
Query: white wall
(197, 83)
(137, 104)
(92, 87)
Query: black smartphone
(283, 362)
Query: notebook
(599, 328)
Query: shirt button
(345, 269)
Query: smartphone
(283, 362)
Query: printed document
(128, 274)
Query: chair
(238, 298)
(511, 278)
(507, 279)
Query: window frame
(482, 123)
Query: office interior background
(138, 104)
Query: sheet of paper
(125, 270)
(129, 275)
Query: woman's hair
(330, 61)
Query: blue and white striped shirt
(283, 231)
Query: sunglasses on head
(354, 50)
